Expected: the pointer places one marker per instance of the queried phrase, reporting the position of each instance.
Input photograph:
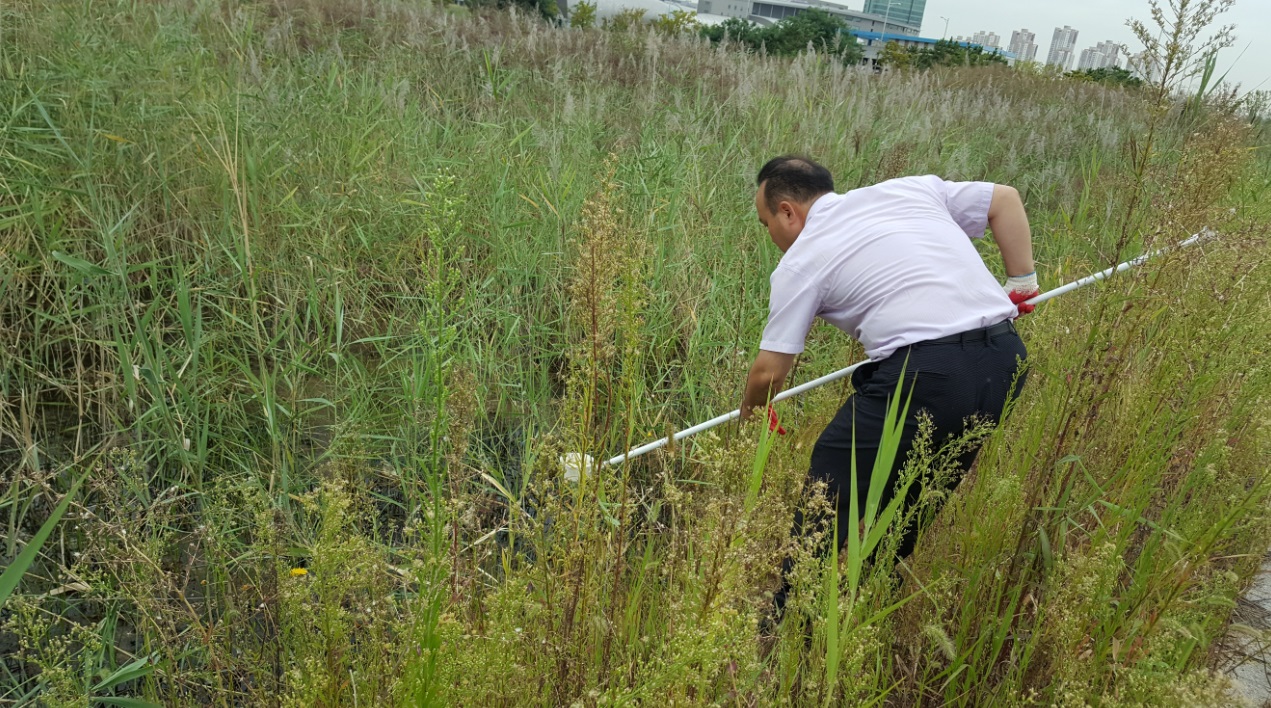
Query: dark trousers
(956, 380)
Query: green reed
(302, 288)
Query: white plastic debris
(576, 464)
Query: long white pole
(843, 373)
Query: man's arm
(766, 379)
(1009, 222)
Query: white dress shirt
(891, 265)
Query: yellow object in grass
(297, 572)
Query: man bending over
(893, 266)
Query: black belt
(982, 334)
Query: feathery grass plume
(605, 302)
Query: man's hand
(766, 379)
(1020, 288)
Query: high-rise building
(1061, 47)
(1102, 55)
(988, 40)
(1113, 54)
(1023, 45)
(1145, 66)
(906, 12)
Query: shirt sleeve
(968, 204)
(792, 305)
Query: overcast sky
(1100, 20)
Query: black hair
(793, 178)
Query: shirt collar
(819, 205)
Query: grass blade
(137, 669)
(13, 574)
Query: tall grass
(317, 293)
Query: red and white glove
(774, 425)
(1020, 288)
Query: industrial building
(875, 42)
(907, 12)
(767, 12)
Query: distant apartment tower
(906, 12)
(988, 40)
(1100, 56)
(1061, 47)
(1023, 45)
(1145, 66)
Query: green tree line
(942, 53)
(792, 35)
(1114, 75)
